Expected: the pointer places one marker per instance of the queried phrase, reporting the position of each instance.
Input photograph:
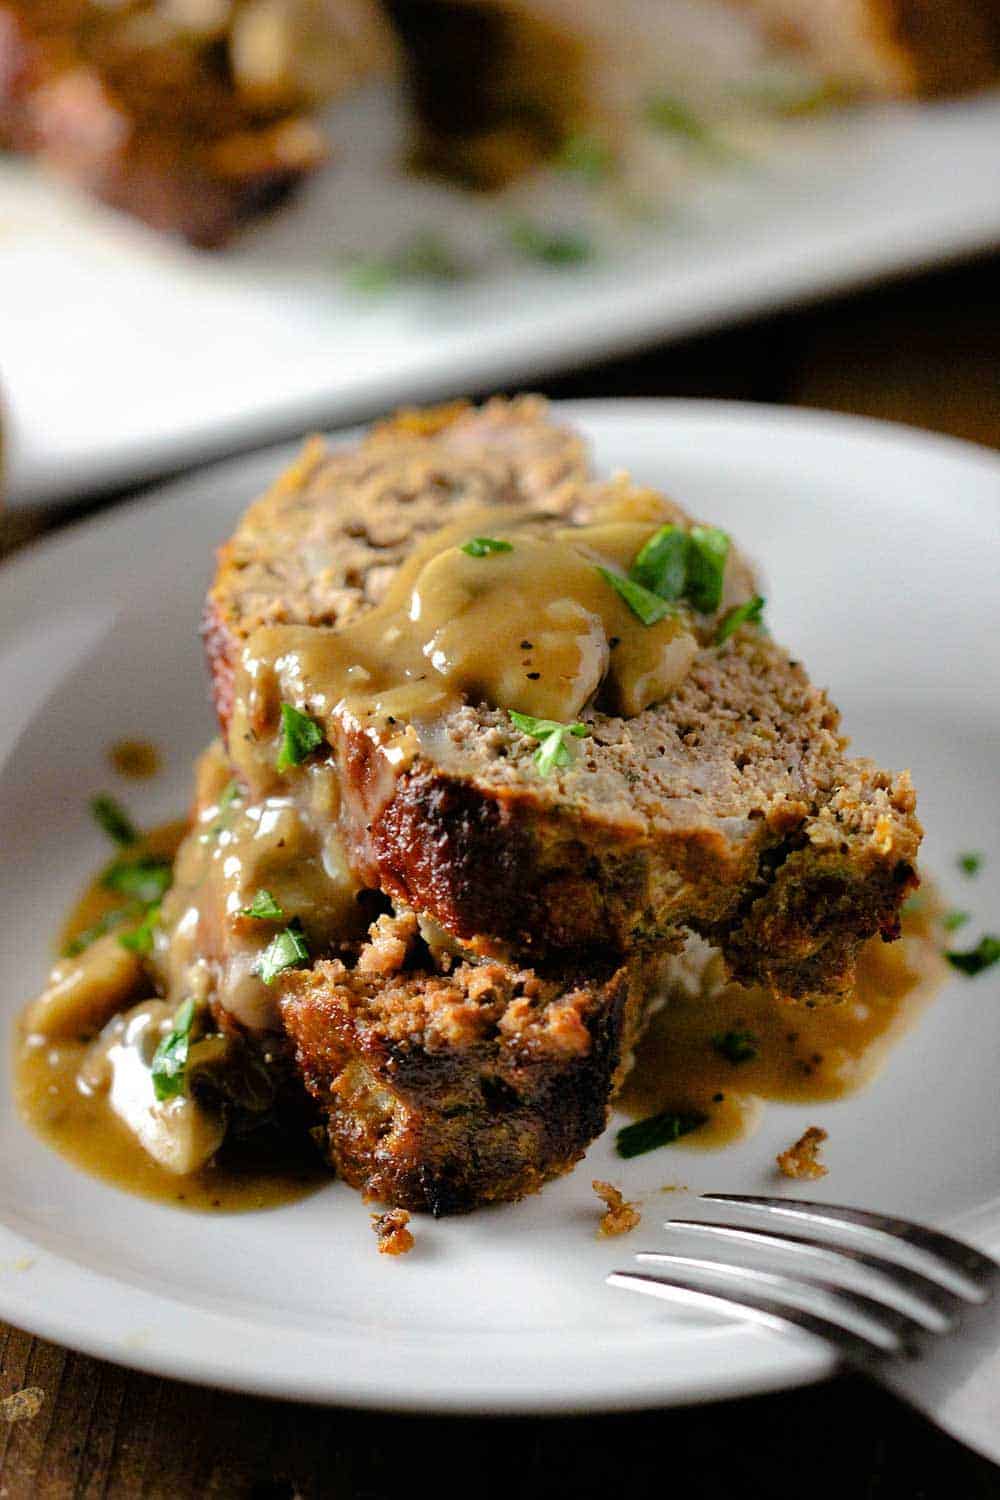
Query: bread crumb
(799, 1161)
(22, 1405)
(620, 1216)
(393, 1236)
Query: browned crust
(444, 1093)
(156, 131)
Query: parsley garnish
(140, 939)
(170, 1058)
(553, 247)
(587, 156)
(552, 749)
(741, 614)
(484, 546)
(970, 864)
(264, 907)
(105, 923)
(112, 818)
(953, 920)
(657, 1130)
(983, 956)
(288, 950)
(232, 792)
(708, 548)
(736, 1046)
(671, 116)
(299, 737)
(662, 564)
(146, 879)
(424, 258)
(641, 601)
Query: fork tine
(754, 1307)
(922, 1288)
(904, 1330)
(962, 1259)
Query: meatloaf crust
(731, 809)
(444, 1090)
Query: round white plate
(881, 548)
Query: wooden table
(925, 352)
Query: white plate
(124, 356)
(882, 549)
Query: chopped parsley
(107, 922)
(983, 956)
(485, 546)
(264, 907)
(970, 864)
(736, 1046)
(953, 920)
(586, 156)
(146, 879)
(708, 548)
(300, 736)
(552, 748)
(112, 818)
(671, 116)
(232, 792)
(170, 1058)
(662, 564)
(741, 614)
(641, 601)
(552, 247)
(140, 939)
(424, 258)
(657, 1130)
(288, 950)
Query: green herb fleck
(484, 546)
(736, 1046)
(742, 614)
(299, 737)
(264, 907)
(147, 879)
(706, 566)
(953, 920)
(170, 1058)
(983, 956)
(107, 922)
(641, 601)
(288, 950)
(553, 247)
(970, 864)
(586, 156)
(552, 749)
(424, 258)
(232, 792)
(662, 564)
(657, 1130)
(112, 818)
(671, 116)
(140, 939)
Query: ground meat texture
(801, 1160)
(731, 810)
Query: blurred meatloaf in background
(193, 115)
(197, 115)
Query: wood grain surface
(926, 352)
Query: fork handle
(956, 1384)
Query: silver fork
(927, 1325)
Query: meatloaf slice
(448, 1089)
(139, 106)
(730, 809)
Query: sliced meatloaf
(448, 1088)
(192, 115)
(730, 809)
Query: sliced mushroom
(84, 992)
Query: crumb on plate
(620, 1216)
(393, 1236)
(800, 1161)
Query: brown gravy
(85, 1130)
(136, 759)
(802, 1055)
